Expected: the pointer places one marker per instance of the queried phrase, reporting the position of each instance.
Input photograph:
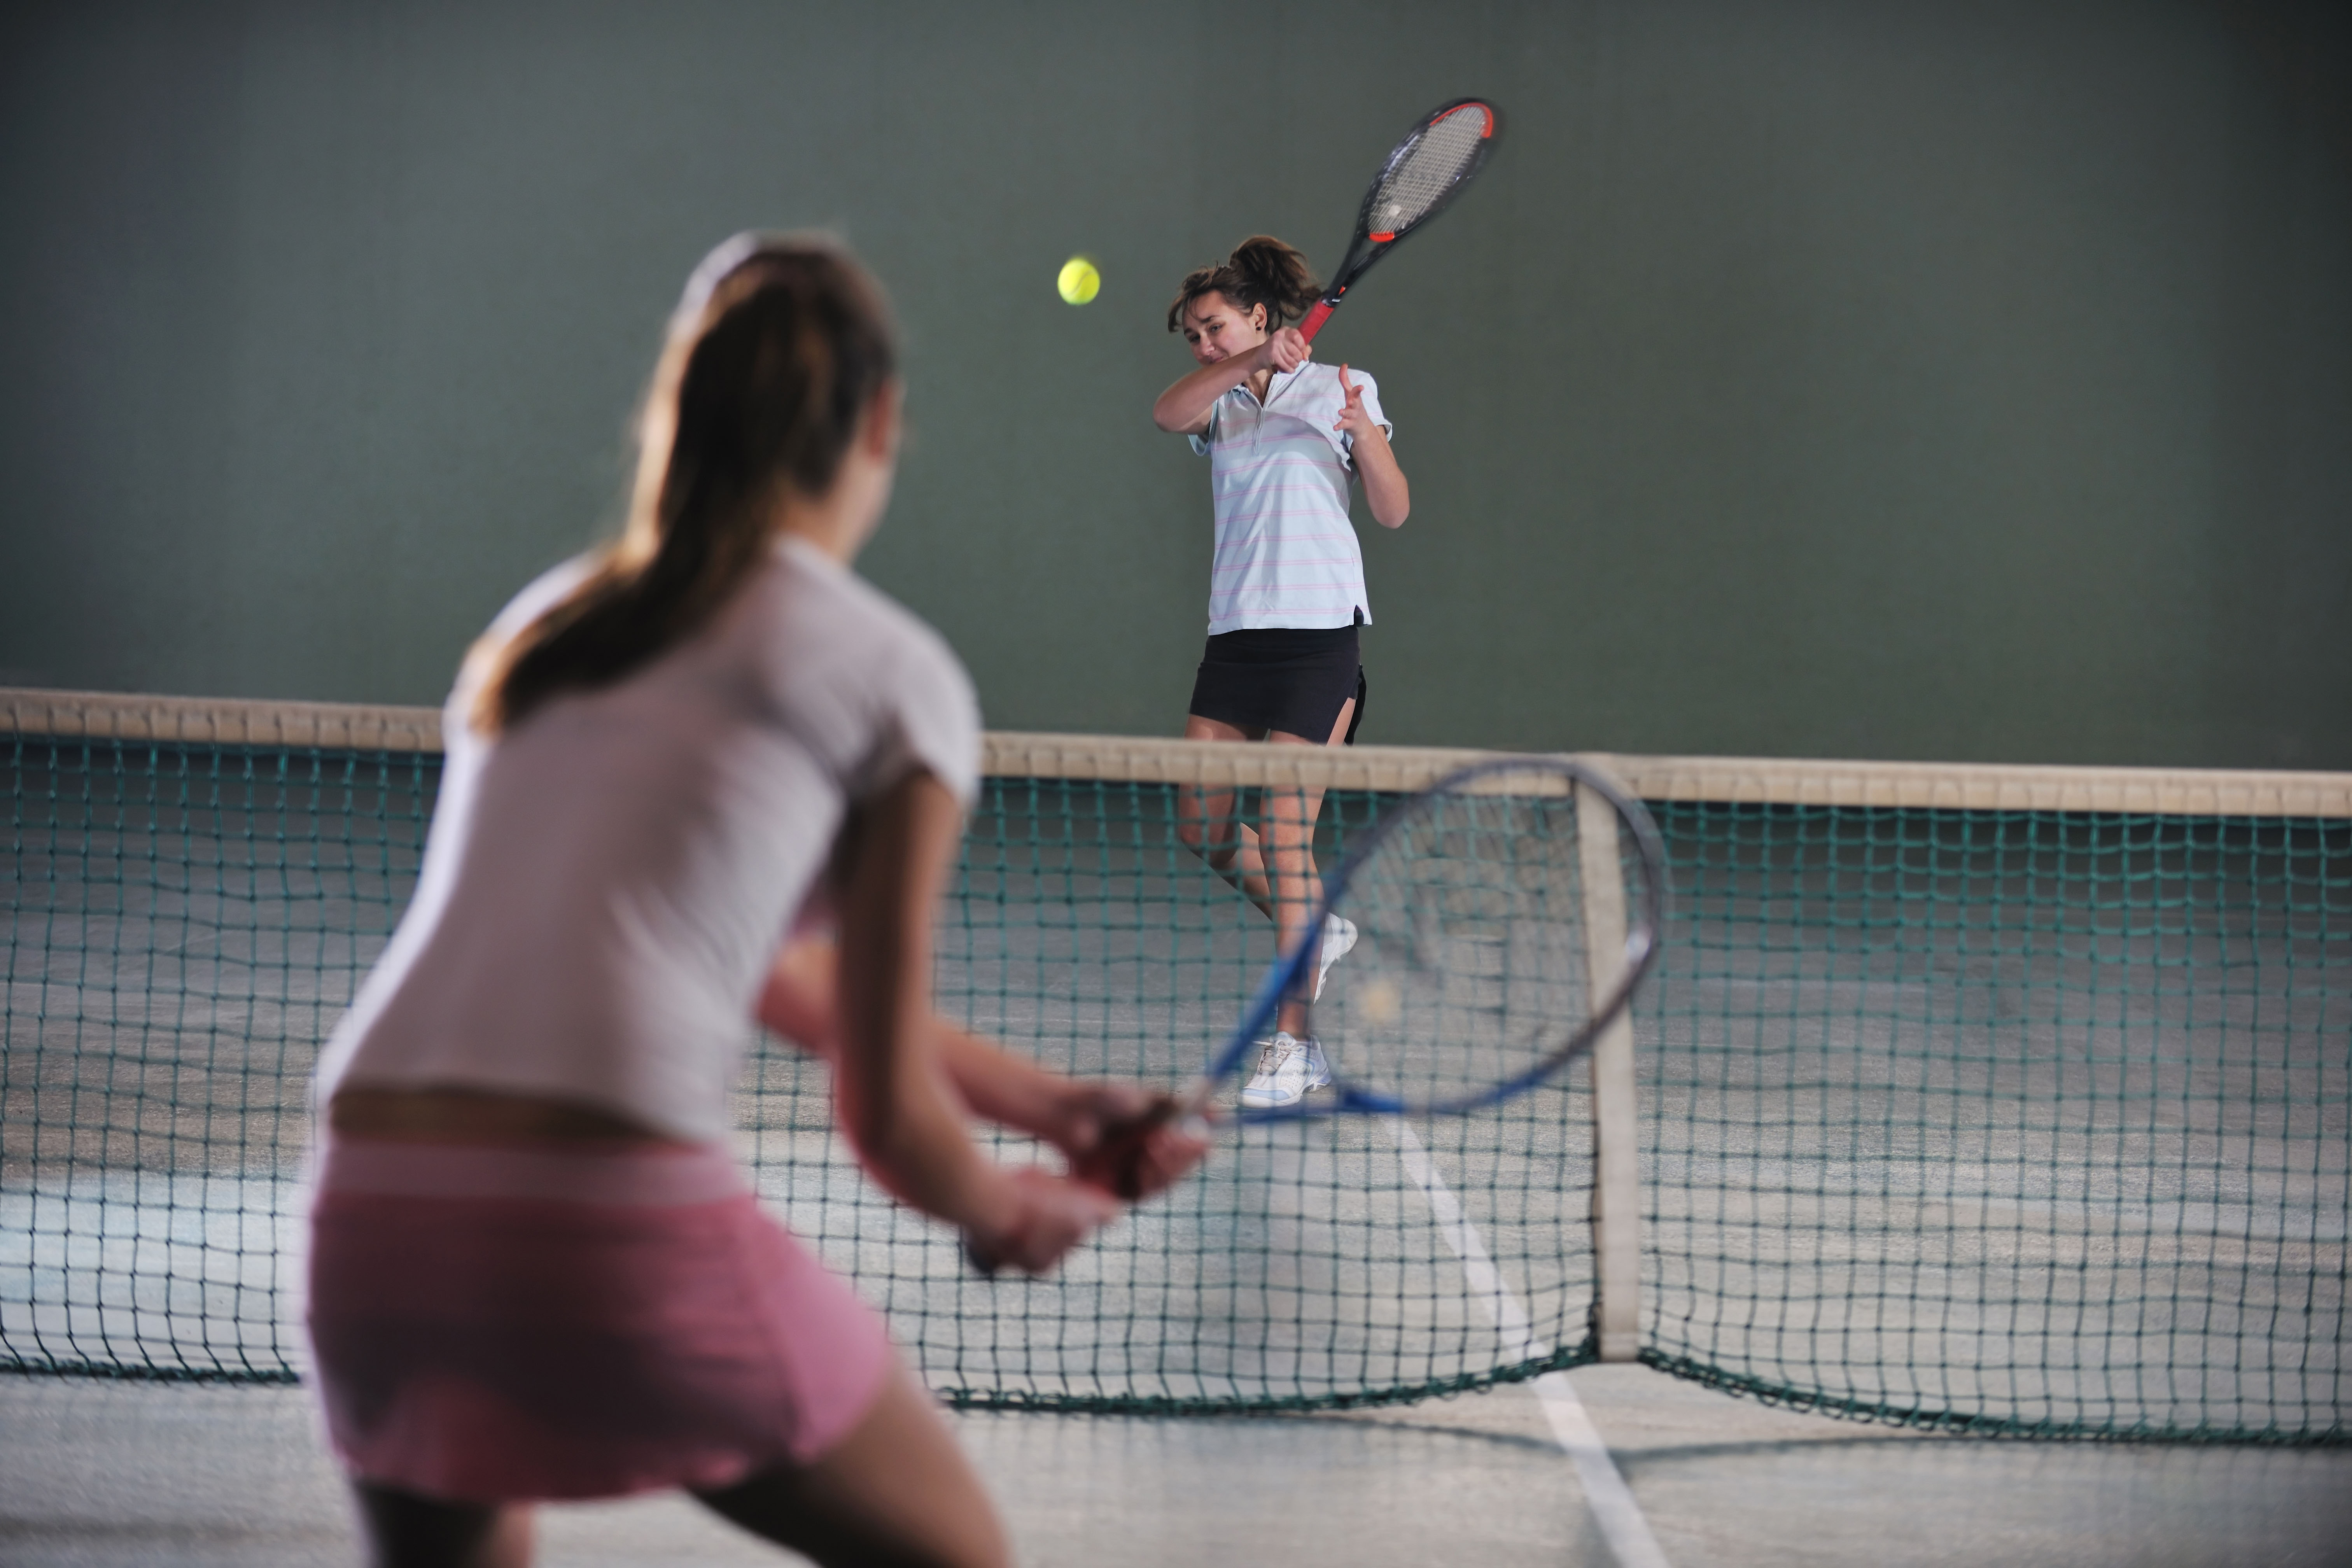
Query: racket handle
(982, 1262)
(1314, 320)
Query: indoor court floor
(125, 1475)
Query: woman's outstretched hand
(1050, 1216)
(1352, 418)
(1124, 1143)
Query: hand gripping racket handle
(1114, 1165)
(1315, 318)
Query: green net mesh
(2007, 1121)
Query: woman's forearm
(915, 1144)
(1184, 406)
(892, 1091)
(1010, 1091)
(894, 1096)
(1385, 489)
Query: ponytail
(1262, 270)
(773, 357)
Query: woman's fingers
(1352, 410)
(1169, 1154)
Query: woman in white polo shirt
(535, 1270)
(1284, 438)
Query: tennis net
(1993, 1100)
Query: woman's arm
(1081, 1118)
(1183, 408)
(893, 1093)
(1385, 490)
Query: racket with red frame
(1428, 169)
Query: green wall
(1961, 381)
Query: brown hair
(773, 357)
(1262, 270)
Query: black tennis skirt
(1291, 678)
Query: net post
(1617, 1178)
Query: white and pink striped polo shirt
(1287, 554)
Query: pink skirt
(497, 1324)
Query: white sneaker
(1339, 936)
(1288, 1068)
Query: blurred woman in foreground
(677, 767)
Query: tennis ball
(1380, 1002)
(1079, 282)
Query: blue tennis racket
(1501, 920)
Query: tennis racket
(1428, 169)
(1502, 918)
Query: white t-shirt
(1287, 554)
(606, 883)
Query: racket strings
(1427, 170)
(1471, 962)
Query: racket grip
(1314, 320)
(982, 1262)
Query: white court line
(1611, 1501)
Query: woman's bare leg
(896, 1492)
(1286, 846)
(1205, 821)
(406, 1531)
(1274, 864)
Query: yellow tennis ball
(1381, 1002)
(1079, 282)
